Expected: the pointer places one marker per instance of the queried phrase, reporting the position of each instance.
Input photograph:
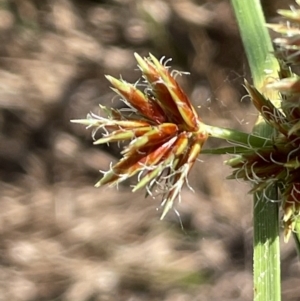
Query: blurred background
(62, 239)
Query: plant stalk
(263, 66)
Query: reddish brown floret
(165, 132)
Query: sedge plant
(165, 136)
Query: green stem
(263, 65)
(296, 235)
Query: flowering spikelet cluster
(288, 45)
(278, 162)
(164, 130)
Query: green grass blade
(263, 65)
(232, 150)
(296, 235)
(241, 138)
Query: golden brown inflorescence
(278, 162)
(164, 130)
(166, 135)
